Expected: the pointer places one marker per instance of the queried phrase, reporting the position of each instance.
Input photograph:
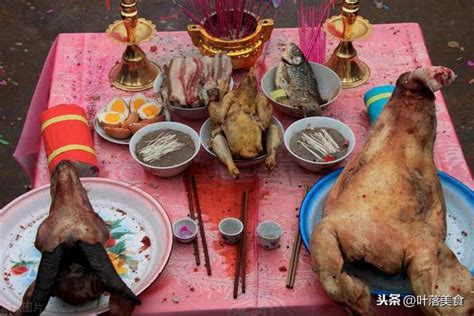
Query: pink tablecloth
(77, 72)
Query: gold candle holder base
(134, 72)
(344, 60)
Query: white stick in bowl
(163, 144)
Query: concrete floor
(29, 27)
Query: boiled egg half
(149, 110)
(118, 105)
(137, 101)
(111, 119)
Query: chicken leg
(221, 148)
(273, 141)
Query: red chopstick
(295, 253)
(244, 211)
(201, 225)
(192, 214)
(241, 266)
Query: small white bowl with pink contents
(185, 230)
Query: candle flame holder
(134, 72)
(348, 27)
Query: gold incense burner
(348, 27)
(243, 52)
(134, 72)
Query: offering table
(76, 71)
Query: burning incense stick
(312, 38)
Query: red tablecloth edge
(27, 149)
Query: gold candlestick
(134, 72)
(348, 27)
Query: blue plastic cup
(375, 100)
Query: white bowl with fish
(165, 149)
(296, 90)
(205, 135)
(189, 84)
(319, 144)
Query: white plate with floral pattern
(139, 246)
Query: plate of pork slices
(459, 201)
(189, 84)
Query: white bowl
(186, 113)
(205, 135)
(231, 229)
(171, 171)
(318, 121)
(329, 85)
(269, 234)
(185, 224)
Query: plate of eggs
(123, 117)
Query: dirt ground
(29, 27)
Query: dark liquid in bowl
(302, 152)
(170, 159)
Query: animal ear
(54, 181)
(434, 77)
(104, 270)
(46, 278)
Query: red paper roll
(67, 136)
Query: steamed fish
(295, 76)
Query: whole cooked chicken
(74, 265)
(242, 121)
(387, 207)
